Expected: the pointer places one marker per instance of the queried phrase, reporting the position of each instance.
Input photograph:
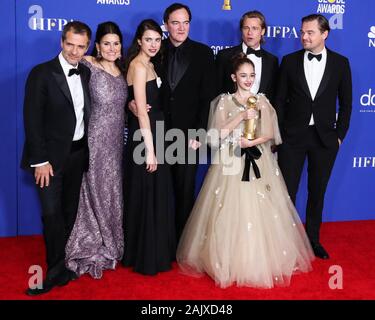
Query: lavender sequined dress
(97, 242)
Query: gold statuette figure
(226, 5)
(250, 124)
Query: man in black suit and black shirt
(253, 28)
(56, 112)
(311, 81)
(188, 75)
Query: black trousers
(59, 203)
(184, 189)
(320, 161)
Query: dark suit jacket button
(171, 99)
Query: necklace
(103, 67)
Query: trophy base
(227, 7)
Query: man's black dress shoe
(72, 275)
(48, 284)
(46, 287)
(319, 251)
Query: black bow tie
(258, 53)
(74, 71)
(312, 56)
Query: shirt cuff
(38, 164)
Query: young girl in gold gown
(244, 229)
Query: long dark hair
(134, 48)
(103, 29)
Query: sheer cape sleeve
(268, 125)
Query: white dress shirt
(258, 68)
(76, 91)
(314, 71)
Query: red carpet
(350, 244)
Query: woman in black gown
(148, 196)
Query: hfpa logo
(363, 162)
(38, 22)
(281, 32)
(371, 37)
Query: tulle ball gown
(246, 233)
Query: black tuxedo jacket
(49, 116)
(268, 79)
(186, 105)
(294, 104)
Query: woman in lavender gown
(96, 242)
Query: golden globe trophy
(226, 5)
(250, 124)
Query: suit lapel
(301, 74)
(326, 75)
(60, 78)
(265, 73)
(86, 90)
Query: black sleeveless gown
(149, 227)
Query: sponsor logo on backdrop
(331, 6)
(114, 2)
(39, 22)
(217, 48)
(334, 7)
(367, 100)
(363, 162)
(371, 37)
(284, 32)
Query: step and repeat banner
(31, 31)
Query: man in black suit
(253, 28)
(188, 88)
(56, 111)
(311, 80)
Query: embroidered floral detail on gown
(246, 233)
(96, 242)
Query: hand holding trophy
(251, 124)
